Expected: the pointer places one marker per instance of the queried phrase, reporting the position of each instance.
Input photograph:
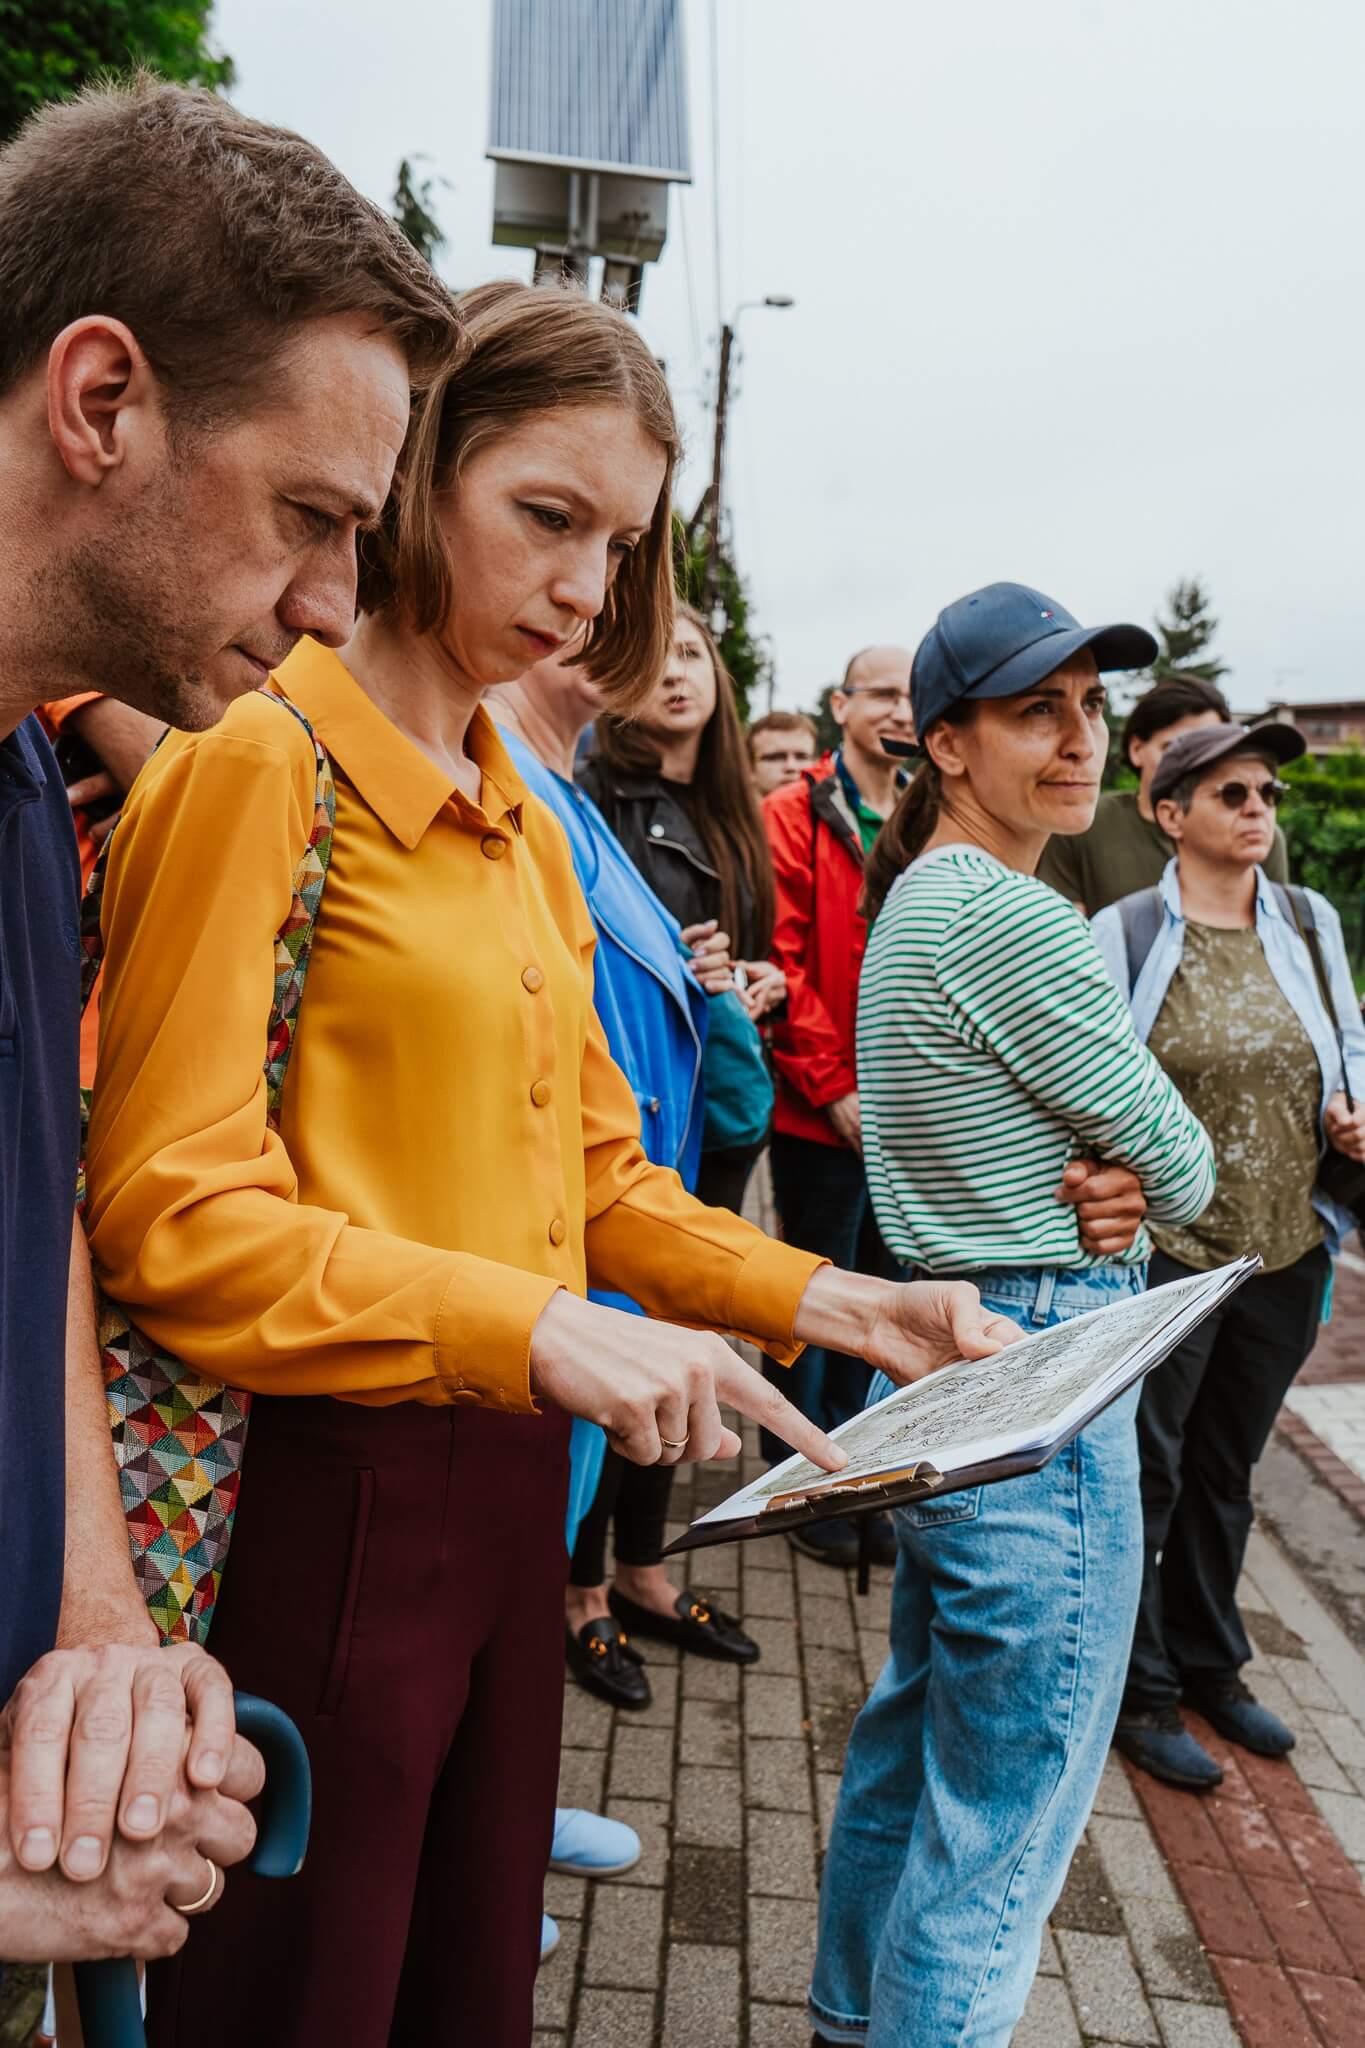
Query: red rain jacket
(818, 941)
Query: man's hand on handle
(122, 1777)
(95, 1739)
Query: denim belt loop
(1047, 1287)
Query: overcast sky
(1079, 292)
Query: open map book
(980, 1419)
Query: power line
(741, 268)
(694, 323)
(715, 159)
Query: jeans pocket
(334, 1684)
(950, 1507)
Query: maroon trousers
(396, 1584)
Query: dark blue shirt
(39, 1140)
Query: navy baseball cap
(1004, 639)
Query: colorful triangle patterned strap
(293, 944)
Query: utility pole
(712, 499)
(707, 514)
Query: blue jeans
(972, 1767)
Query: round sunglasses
(1234, 795)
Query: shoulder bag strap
(294, 941)
(1298, 907)
(1140, 916)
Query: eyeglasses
(883, 695)
(1233, 795)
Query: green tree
(414, 210)
(49, 49)
(744, 653)
(826, 729)
(1186, 636)
(1324, 823)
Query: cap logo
(1046, 615)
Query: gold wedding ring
(668, 1445)
(201, 1903)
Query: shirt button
(656, 831)
(493, 847)
(558, 1233)
(532, 979)
(654, 1105)
(540, 1093)
(463, 1397)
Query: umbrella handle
(107, 1992)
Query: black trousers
(1203, 1421)
(821, 1196)
(636, 1498)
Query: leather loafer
(1159, 1743)
(1239, 1717)
(694, 1625)
(601, 1658)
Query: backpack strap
(1297, 906)
(294, 941)
(1140, 915)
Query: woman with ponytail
(997, 1069)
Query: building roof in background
(1330, 726)
(594, 85)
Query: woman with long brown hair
(674, 785)
(398, 1255)
(672, 779)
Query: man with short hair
(1125, 848)
(781, 744)
(820, 827)
(207, 351)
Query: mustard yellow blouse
(456, 1143)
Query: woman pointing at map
(1015, 1133)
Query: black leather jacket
(656, 829)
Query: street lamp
(708, 512)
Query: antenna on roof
(588, 129)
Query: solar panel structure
(591, 85)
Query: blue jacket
(1289, 961)
(653, 1013)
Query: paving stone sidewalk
(1184, 1923)
(1324, 1411)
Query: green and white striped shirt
(993, 1049)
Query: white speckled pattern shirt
(1245, 1065)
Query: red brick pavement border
(1333, 1469)
(1339, 1353)
(1337, 1357)
(1278, 1905)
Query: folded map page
(1013, 1410)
